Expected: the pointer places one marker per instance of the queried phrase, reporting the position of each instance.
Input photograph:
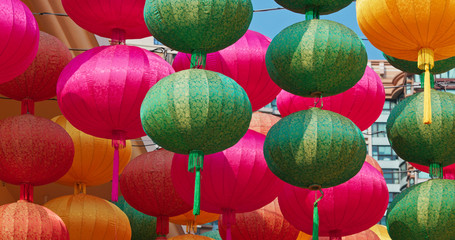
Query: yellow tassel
(426, 62)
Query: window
(391, 197)
(391, 175)
(403, 170)
(384, 153)
(379, 129)
(388, 106)
(156, 42)
(383, 221)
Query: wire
(269, 9)
(53, 14)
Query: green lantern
(316, 57)
(198, 25)
(213, 234)
(315, 148)
(426, 144)
(423, 212)
(142, 226)
(320, 6)
(196, 112)
(441, 66)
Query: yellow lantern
(303, 236)
(413, 30)
(381, 231)
(91, 218)
(190, 237)
(191, 221)
(92, 164)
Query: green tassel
(316, 216)
(196, 162)
(436, 170)
(422, 82)
(312, 14)
(198, 59)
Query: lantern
(23, 220)
(147, 186)
(142, 226)
(423, 211)
(39, 81)
(261, 224)
(441, 66)
(204, 26)
(101, 90)
(367, 193)
(191, 221)
(190, 237)
(213, 234)
(88, 217)
(316, 58)
(33, 151)
(303, 236)
(236, 180)
(448, 171)
(413, 141)
(92, 163)
(19, 36)
(362, 103)
(364, 235)
(381, 231)
(244, 62)
(320, 6)
(410, 30)
(118, 19)
(374, 163)
(262, 122)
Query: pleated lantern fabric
(344, 210)
(204, 26)
(315, 148)
(448, 171)
(147, 186)
(19, 36)
(316, 57)
(190, 237)
(213, 234)
(440, 66)
(362, 103)
(23, 220)
(262, 122)
(364, 235)
(413, 141)
(369, 159)
(192, 222)
(92, 162)
(39, 81)
(244, 62)
(266, 223)
(109, 18)
(423, 211)
(303, 236)
(321, 6)
(381, 231)
(91, 218)
(142, 225)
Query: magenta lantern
(19, 37)
(100, 92)
(244, 61)
(233, 181)
(346, 209)
(362, 103)
(115, 19)
(448, 171)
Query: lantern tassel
(312, 14)
(196, 162)
(28, 106)
(316, 216)
(80, 188)
(198, 59)
(228, 221)
(425, 62)
(26, 192)
(436, 170)
(162, 225)
(118, 142)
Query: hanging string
(312, 14)
(162, 226)
(26, 192)
(80, 188)
(426, 62)
(195, 164)
(118, 37)
(317, 99)
(27, 106)
(198, 59)
(436, 170)
(228, 221)
(118, 141)
(316, 215)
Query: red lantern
(147, 186)
(448, 171)
(39, 81)
(19, 36)
(365, 235)
(262, 122)
(266, 223)
(23, 221)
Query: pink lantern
(100, 92)
(244, 61)
(19, 37)
(233, 181)
(448, 171)
(362, 103)
(116, 19)
(346, 209)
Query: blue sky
(272, 22)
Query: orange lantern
(413, 30)
(262, 122)
(381, 231)
(303, 236)
(369, 159)
(191, 221)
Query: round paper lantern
(88, 217)
(364, 235)
(191, 221)
(19, 36)
(147, 186)
(441, 66)
(213, 234)
(244, 61)
(39, 81)
(261, 224)
(316, 57)
(315, 148)
(262, 122)
(190, 237)
(303, 236)
(92, 163)
(142, 226)
(320, 6)
(423, 211)
(362, 103)
(419, 143)
(109, 18)
(23, 220)
(203, 27)
(448, 171)
(381, 231)
(366, 195)
(374, 163)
